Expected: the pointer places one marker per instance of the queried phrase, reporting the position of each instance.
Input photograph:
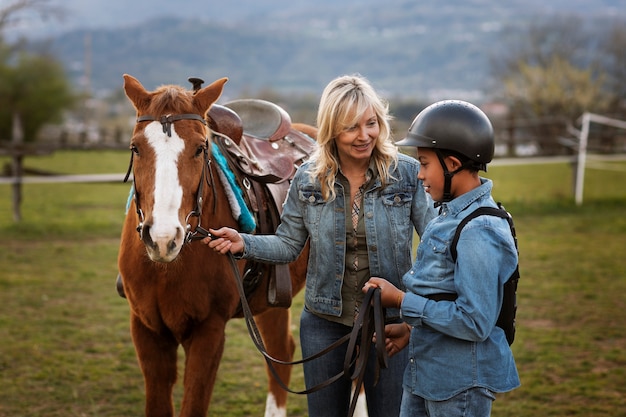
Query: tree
(612, 49)
(35, 87)
(558, 92)
(33, 92)
(13, 12)
(549, 74)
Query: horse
(181, 292)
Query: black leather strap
(369, 320)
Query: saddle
(263, 151)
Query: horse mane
(172, 99)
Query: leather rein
(166, 122)
(370, 319)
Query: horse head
(169, 155)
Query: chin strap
(447, 185)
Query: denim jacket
(455, 345)
(391, 215)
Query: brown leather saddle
(263, 150)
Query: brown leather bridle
(166, 122)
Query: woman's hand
(390, 296)
(225, 240)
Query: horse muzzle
(161, 246)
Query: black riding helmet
(453, 127)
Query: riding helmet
(456, 126)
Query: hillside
(407, 48)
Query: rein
(166, 122)
(370, 320)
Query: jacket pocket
(313, 204)
(398, 205)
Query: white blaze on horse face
(168, 193)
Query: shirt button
(312, 199)
(396, 199)
(369, 214)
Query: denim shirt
(391, 215)
(455, 345)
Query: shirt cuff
(412, 309)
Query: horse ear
(136, 92)
(208, 95)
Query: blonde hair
(344, 101)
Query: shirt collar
(460, 203)
(372, 172)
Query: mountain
(418, 49)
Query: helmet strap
(447, 176)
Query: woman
(358, 201)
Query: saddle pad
(240, 210)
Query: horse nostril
(145, 235)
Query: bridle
(198, 232)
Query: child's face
(431, 173)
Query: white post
(587, 118)
(582, 156)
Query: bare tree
(14, 12)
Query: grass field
(65, 346)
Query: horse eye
(200, 150)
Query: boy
(458, 357)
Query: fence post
(582, 155)
(17, 142)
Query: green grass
(66, 348)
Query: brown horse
(179, 291)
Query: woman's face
(356, 143)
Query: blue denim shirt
(455, 345)
(391, 215)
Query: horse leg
(275, 328)
(157, 358)
(203, 352)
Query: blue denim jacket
(455, 345)
(391, 215)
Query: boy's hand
(390, 296)
(397, 336)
